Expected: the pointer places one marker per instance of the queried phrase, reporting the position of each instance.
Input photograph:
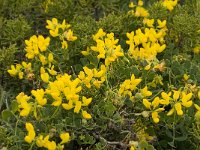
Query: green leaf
(84, 61)
(143, 144)
(93, 60)
(6, 114)
(109, 109)
(14, 106)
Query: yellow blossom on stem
(161, 24)
(44, 76)
(52, 71)
(50, 57)
(141, 12)
(86, 101)
(39, 95)
(166, 97)
(31, 133)
(77, 107)
(40, 141)
(152, 106)
(145, 92)
(68, 106)
(24, 106)
(155, 116)
(86, 115)
(65, 137)
(69, 35)
(131, 5)
(140, 3)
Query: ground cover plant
(100, 74)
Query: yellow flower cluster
(179, 99)
(44, 141)
(24, 106)
(106, 47)
(128, 86)
(169, 4)
(153, 106)
(93, 76)
(35, 45)
(65, 88)
(145, 92)
(62, 30)
(146, 45)
(19, 69)
(138, 10)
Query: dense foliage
(87, 74)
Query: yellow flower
(149, 22)
(54, 33)
(186, 99)
(44, 76)
(43, 43)
(86, 101)
(40, 141)
(39, 95)
(145, 92)
(161, 24)
(31, 133)
(50, 145)
(85, 53)
(24, 106)
(147, 104)
(132, 148)
(141, 12)
(65, 137)
(176, 95)
(52, 71)
(170, 112)
(140, 3)
(155, 116)
(69, 35)
(26, 66)
(68, 106)
(154, 103)
(131, 5)
(21, 74)
(134, 82)
(42, 59)
(53, 27)
(166, 97)
(196, 49)
(64, 44)
(170, 4)
(178, 108)
(50, 57)
(52, 24)
(86, 115)
(88, 71)
(58, 99)
(99, 34)
(13, 71)
(186, 77)
(77, 107)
